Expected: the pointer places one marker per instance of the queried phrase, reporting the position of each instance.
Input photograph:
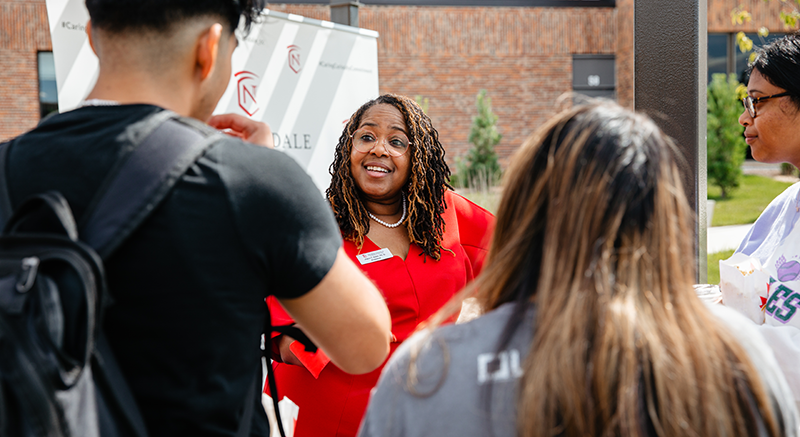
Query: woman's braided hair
(425, 187)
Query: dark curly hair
(425, 187)
(159, 15)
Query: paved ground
(721, 238)
(762, 169)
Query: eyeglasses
(750, 103)
(396, 145)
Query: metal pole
(670, 72)
(345, 12)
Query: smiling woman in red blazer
(409, 232)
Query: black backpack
(58, 375)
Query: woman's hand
(242, 127)
(287, 356)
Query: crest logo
(294, 58)
(246, 91)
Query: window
(48, 92)
(724, 55)
(718, 45)
(594, 75)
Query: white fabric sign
(301, 76)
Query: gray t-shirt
(481, 390)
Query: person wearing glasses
(771, 121)
(417, 240)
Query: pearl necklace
(97, 102)
(391, 225)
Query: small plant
(788, 169)
(480, 166)
(422, 102)
(725, 144)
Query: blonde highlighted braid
(425, 187)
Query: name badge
(374, 256)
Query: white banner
(301, 76)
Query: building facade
(522, 56)
(527, 54)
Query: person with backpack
(186, 286)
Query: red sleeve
(475, 226)
(278, 315)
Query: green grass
(713, 265)
(487, 198)
(745, 204)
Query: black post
(670, 70)
(345, 12)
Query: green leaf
(745, 43)
(741, 91)
(739, 15)
(790, 19)
(422, 102)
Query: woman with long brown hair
(593, 328)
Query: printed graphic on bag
(787, 270)
(783, 304)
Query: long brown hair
(425, 187)
(594, 228)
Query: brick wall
(624, 53)
(23, 33)
(521, 56)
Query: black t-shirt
(189, 285)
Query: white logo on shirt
(499, 367)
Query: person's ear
(207, 49)
(91, 38)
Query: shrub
(422, 102)
(480, 166)
(788, 169)
(725, 144)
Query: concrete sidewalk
(720, 238)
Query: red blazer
(415, 288)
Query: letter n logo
(294, 58)
(246, 83)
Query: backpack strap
(247, 417)
(163, 147)
(142, 179)
(273, 386)
(5, 201)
